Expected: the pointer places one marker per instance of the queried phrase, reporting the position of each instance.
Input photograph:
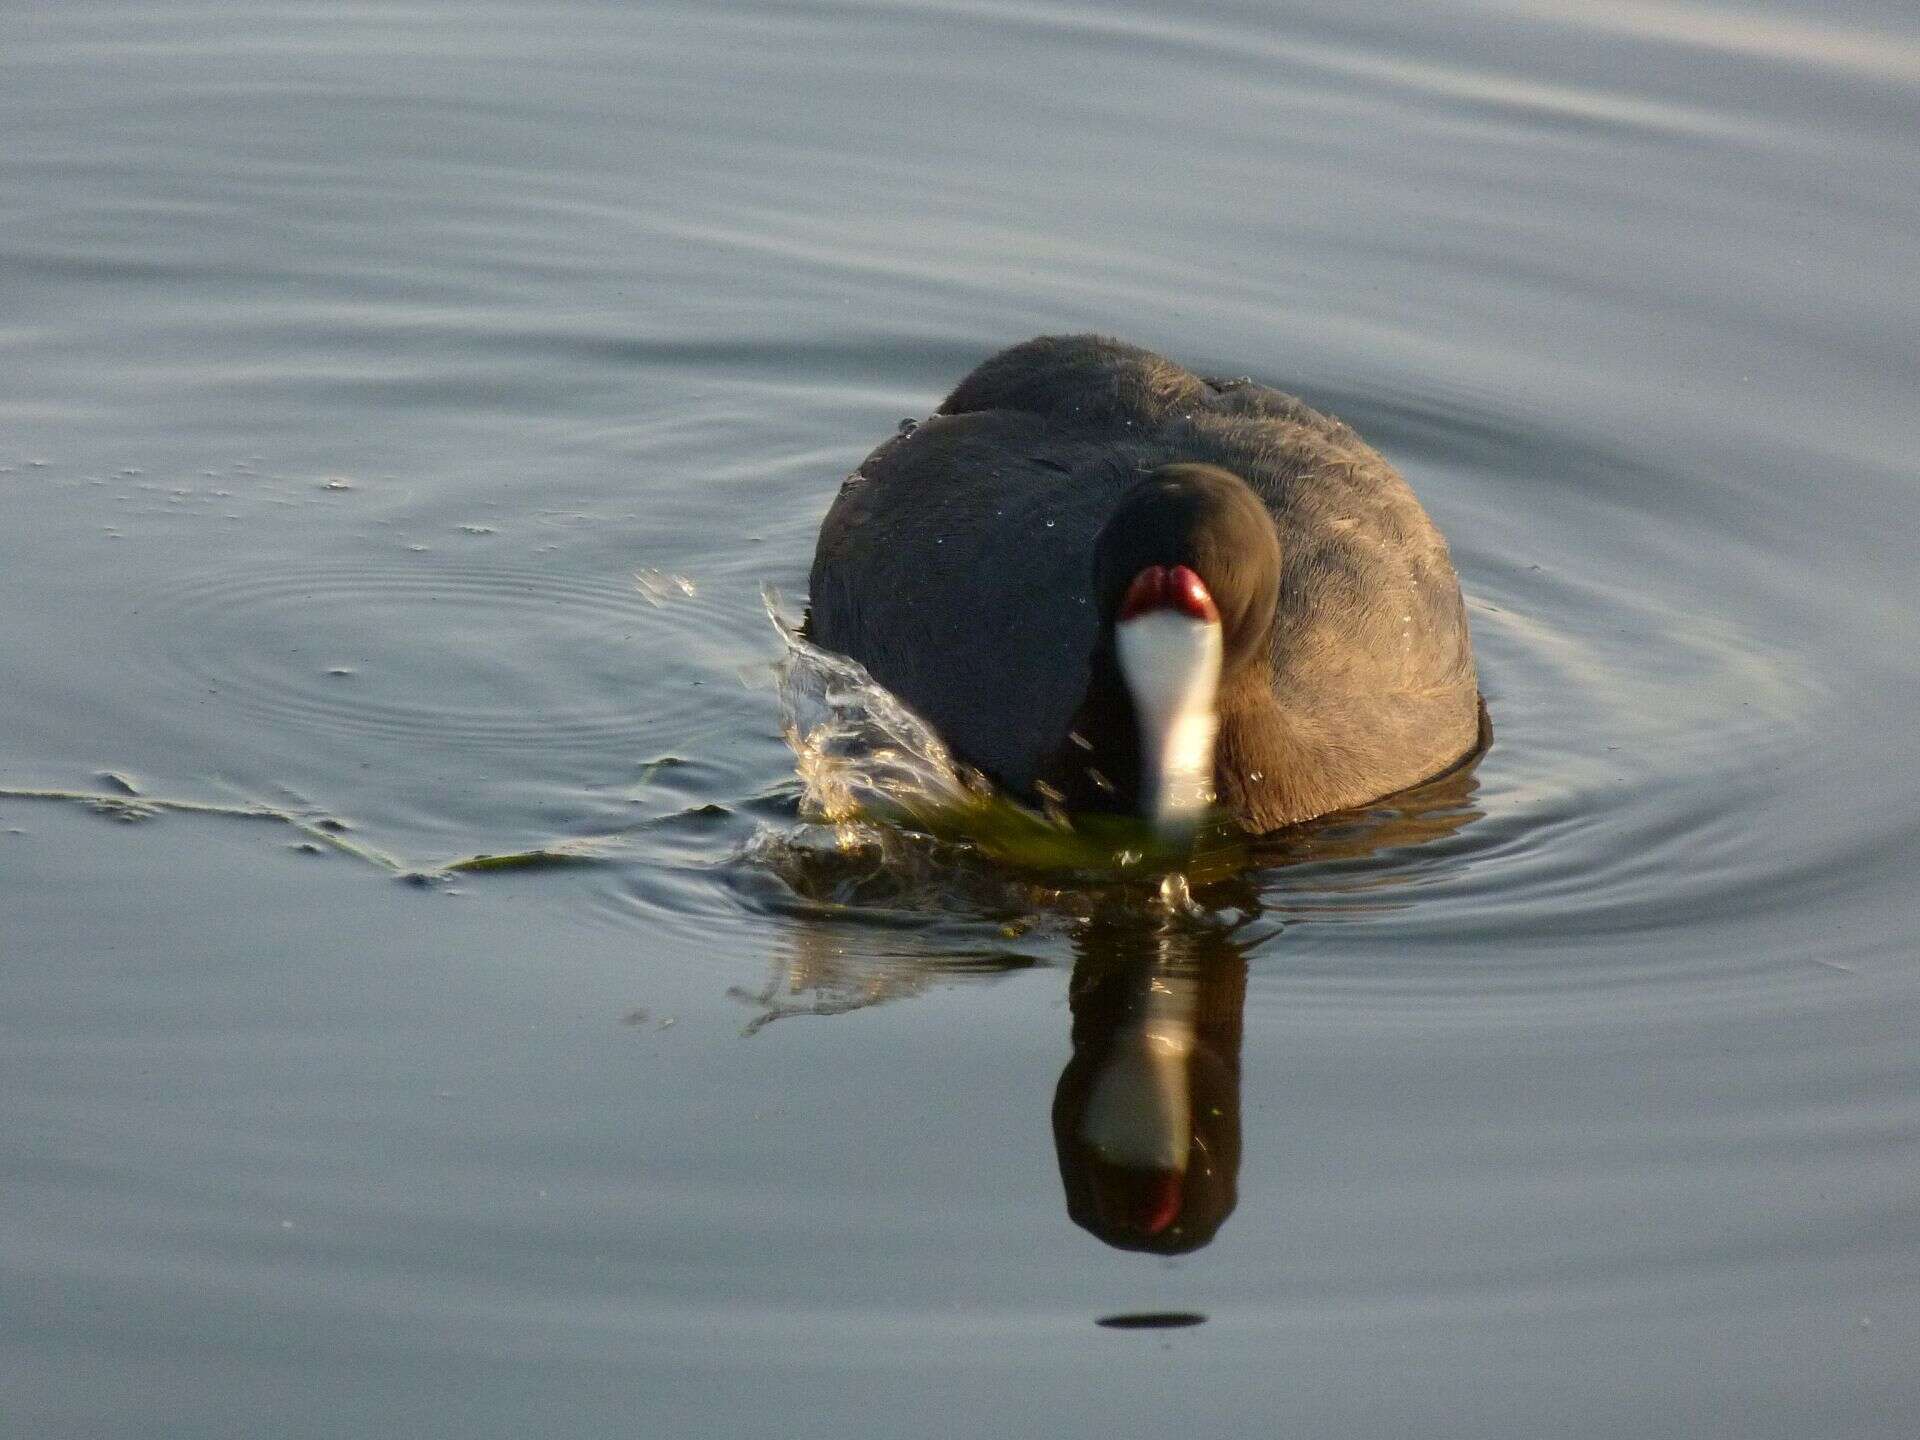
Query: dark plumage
(958, 564)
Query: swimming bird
(1110, 584)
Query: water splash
(860, 753)
(660, 586)
(904, 816)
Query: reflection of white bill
(1139, 1114)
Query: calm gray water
(357, 359)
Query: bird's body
(958, 566)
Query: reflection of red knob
(1137, 1204)
(1163, 1203)
(1169, 587)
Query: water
(376, 375)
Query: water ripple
(484, 658)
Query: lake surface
(403, 409)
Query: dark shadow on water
(1152, 1320)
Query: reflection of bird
(1146, 1117)
(1146, 1114)
(1107, 580)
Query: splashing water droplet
(857, 749)
(660, 586)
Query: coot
(1111, 584)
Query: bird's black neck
(1097, 766)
